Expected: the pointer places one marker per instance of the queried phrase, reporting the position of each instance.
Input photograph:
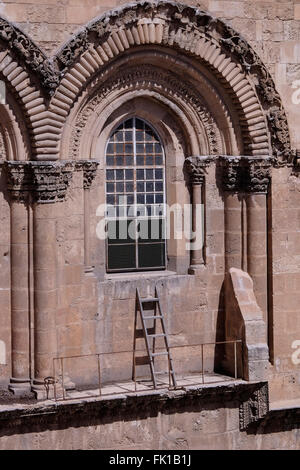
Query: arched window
(135, 195)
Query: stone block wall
(272, 28)
(285, 301)
(244, 319)
(204, 419)
(96, 314)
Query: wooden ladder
(149, 333)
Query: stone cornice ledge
(244, 394)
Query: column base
(43, 392)
(39, 390)
(19, 387)
(197, 269)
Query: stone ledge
(135, 403)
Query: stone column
(50, 181)
(257, 184)
(89, 168)
(196, 169)
(233, 213)
(20, 303)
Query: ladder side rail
(154, 331)
(170, 359)
(134, 341)
(147, 340)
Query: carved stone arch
(195, 34)
(152, 109)
(168, 123)
(29, 78)
(14, 138)
(96, 118)
(201, 130)
(28, 54)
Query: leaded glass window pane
(135, 193)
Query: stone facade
(223, 418)
(73, 71)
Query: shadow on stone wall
(201, 418)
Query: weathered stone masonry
(226, 134)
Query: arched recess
(14, 141)
(177, 139)
(212, 49)
(205, 128)
(29, 78)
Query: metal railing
(58, 381)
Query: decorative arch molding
(28, 54)
(177, 26)
(3, 144)
(184, 100)
(14, 139)
(30, 77)
(34, 78)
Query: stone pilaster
(233, 212)
(89, 168)
(50, 183)
(18, 184)
(257, 180)
(196, 168)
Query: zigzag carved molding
(158, 23)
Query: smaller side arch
(14, 140)
(29, 77)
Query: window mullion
(135, 192)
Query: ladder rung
(149, 299)
(152, 317)
(165, 353)
(164, 373)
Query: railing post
(54, 375)
(99, 375)
(235, 364)
(202, 355)
(62, 377)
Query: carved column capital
(89, 168)
(297, 158)
(246, 174)
(18, 180)
(196, 169)
(231, 173)
(257, 175)
(50, 181)
(46, 181)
